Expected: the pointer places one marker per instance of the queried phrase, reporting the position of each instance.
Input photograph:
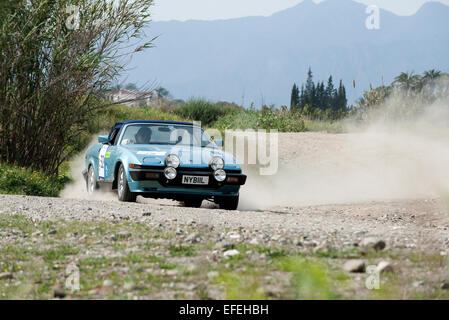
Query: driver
(143, 136)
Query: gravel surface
(419, 224)
(335, 200)
(337, 188)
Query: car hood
(190, 156)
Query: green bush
(255, 119)
(15, 180)
(282, 120)
(205, 111)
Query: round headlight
(172, 160)
(216, 163)
(170, 173)
(220, 175)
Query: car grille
(139, 175)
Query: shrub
(282, 120)
(53, 75)
(16, 180)
(205, 111)
(268, 119)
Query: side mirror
(219, 143)
(103, 139)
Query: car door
(110, 156)
(102, 166)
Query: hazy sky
(225, 9)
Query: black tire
(228, 203)
(91, 181)
(193, 202)
(122, 187)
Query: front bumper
(152, 180)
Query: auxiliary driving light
(170, 173)
(172, 160)
(216, 163)
(220, 175)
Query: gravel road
(329, 187)
(420, 224)
(333, 196)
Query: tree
(330, 93)
(319, 97)
(415, 93)
(294, 100)
(302, 99)
(119, 86)
(320, 100)
(162, 92)
(341, 100)
(54, 67)
(431, 74)
(309, 95)
(132, 87)
(429, 84)
(408, 81)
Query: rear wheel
(91, 181)
(124, 194)
(193, 202)
(228, 203)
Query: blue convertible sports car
(164, 159)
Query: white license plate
(200, 180)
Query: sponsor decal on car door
(102, 172)
(109, 162)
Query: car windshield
(166, 134)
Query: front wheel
(228, 203)
(124, 194)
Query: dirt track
(326, 183)
(418, 224)
(421, 224)
(335, 215)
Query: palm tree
(404, 79)
(409, 80)
(432, 74)
(429, 81)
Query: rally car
(164, 159)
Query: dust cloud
(77, 188)
(389, 158)
(385, 158)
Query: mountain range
(257, 59)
